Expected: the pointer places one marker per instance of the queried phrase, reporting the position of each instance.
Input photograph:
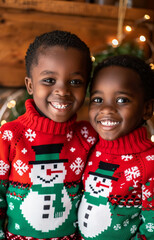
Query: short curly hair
(56, 38)
(137, 64)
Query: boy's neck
(41, 113)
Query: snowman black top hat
(106, 170)
(47, 154)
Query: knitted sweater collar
(32, 119)
(134, 142)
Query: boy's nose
(62, 91)
(108, 109)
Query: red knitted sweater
(118, 202)
(41, 164)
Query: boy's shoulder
(11, 126)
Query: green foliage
(19, 108)
(125, 48)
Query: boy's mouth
(58, 105)
(109, 123)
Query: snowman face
(98, 186)
(48, 174)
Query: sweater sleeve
(146, 229)
(5, 140)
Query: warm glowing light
(152, 138)
(128, 28)
(92, 58)
(142, 38)
(11, 104)
(115, 42)
(152, 66)
(146, 16)
(3, 122)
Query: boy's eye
(49, 80)
(122, 100)
(97, 100)
(76, 82)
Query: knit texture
(41, 164)
(118, 202)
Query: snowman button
(47, 198)
(45, 215)
(89, 207)
(46, 207)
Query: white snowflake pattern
(135, 183)
(133, 229)
(17, 226)
(126, 157)
(69, 136)
(20, 167)
(1, 233)
(24, 150)
(7, 135)
(91, 140)
(85, 132)
(146, 194)
(72, 149)
(4, 167)
(77, 166)
(117, 227)
(98, 153)
(150, 227)
(30, 135)
(11, 206)
(134, 215)
(90, 163)
(126, 222)
(132, 173)
(150, 158)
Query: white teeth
(60, 106)
(109, 123)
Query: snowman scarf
(55, 190)
(94, 200)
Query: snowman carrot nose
(98, 184)
(49, 172)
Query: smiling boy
(118, 201)
(43, 152)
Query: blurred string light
(10, 103)
(116, 42)
(92, 58)
(128, 28)
(152, 138)
(142, 38)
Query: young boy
(118, 202)
(44, 151)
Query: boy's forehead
(60, 51)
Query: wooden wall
(21, 21)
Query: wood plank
(75, 8)
(19, 26)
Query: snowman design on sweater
(51, 202)
(95, 200)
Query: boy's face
(58, 82)
(117, 104)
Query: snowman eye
(42, 167)
(104, 179)
(95, 178)
(55, 166)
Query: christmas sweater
(41, 164)
(118, 201)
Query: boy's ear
(148, 109)
(29, 85)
